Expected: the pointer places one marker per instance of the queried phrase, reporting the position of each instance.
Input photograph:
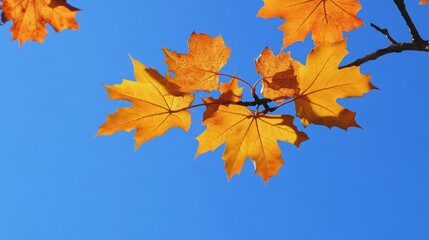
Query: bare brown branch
(385, 32)
(394, 48)
(417, 42)
(415, 36)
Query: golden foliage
(247, 128)
(321, 83)
(197, 70)
(154, 110)
(30, 16)
(278, 75)
(246, 134)
(325, 19)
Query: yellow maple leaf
(326, 19)
(230, 92)
(197, 70)
(321, 83)
(248, 134)
(423, 1)
(278, 75)
(154, 110)
(30, 16)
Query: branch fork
(417, 42)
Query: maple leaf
(321, 83)
(423, 1)
(230, 92)
(326, 19)
(197, 70)
(154, 110)
(278, 75)
(246, 134)
(30, 16)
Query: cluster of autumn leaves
(250, 129)
(162, 102)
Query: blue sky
(59, 182)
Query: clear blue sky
(58, 182)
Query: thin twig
(385, 32)
(415, 36)
(259, 102)
(232, 76)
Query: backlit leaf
(230, 92)
(247, 134)
(197, 70)
(321, 83)
(154, 110)
(326, 19)
(30, 16)
(278, 75)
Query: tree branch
(394, 48)
(385, 32)
(415, 36)
(417, 43)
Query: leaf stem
(272, 109)
(233, 76)
(256, 83)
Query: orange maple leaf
(197, 70)
(278, 75)
(30, 16)
(246, 134)
(326, 19)
(321, 83)
(230, 92)
(423, 1)
(154, 110)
